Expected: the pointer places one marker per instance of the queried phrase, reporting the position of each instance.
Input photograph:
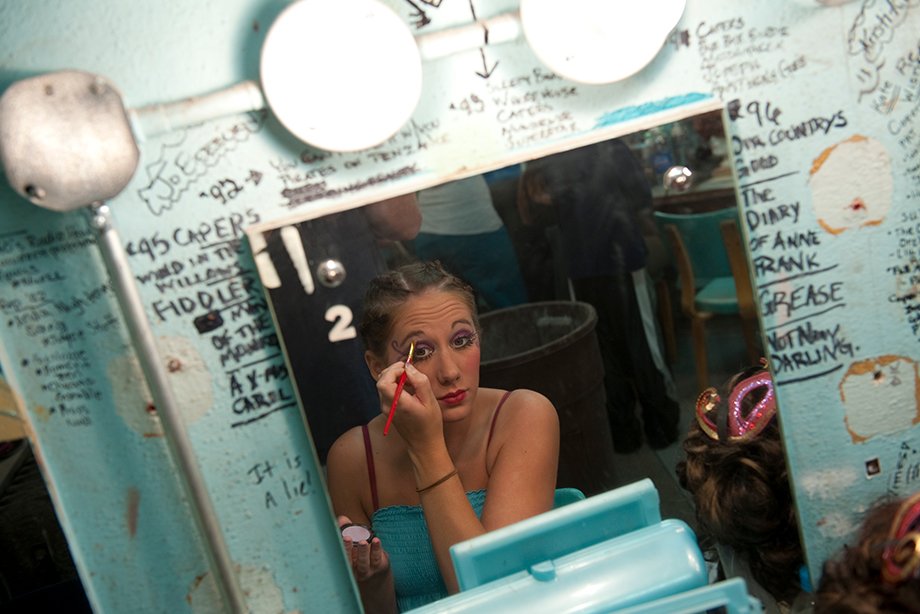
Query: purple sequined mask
(739, 425)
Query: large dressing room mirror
(541, 242)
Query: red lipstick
(453, 398)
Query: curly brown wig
(743, 499)
(851, 582)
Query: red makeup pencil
(399, 388)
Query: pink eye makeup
(422, 351)
(463, 339)
(459, 340)
(404, 352)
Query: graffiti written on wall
(58, 317)
(806, 300)
(197, 278)
(906, 472)
(187, 157)
(528, 108)
(756, 153)
(897, 99)
(870, 36)
(281, 480)
(904, 268)
(227, 189)
(311, 177)
(802, 297)
(736, 57)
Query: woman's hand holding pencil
(399, 387)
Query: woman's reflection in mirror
(459, 460)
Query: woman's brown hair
(389, 291)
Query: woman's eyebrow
(407, 337)
(420, 333)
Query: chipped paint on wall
(132, 509)
(187, 373)
(880, 396)
(828, 484)
(851, 184)
(257, 583)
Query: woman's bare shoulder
(527, 408)
(348, 448)
(516, 396)
(523, 399)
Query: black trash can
(551, 347)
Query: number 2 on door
(342, 328)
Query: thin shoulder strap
(495, 416)
(371, 474)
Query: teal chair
(744, 286)
(705, 276)
(565, 496)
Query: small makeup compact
(357, 533)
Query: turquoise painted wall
(823, 105)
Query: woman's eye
(421, 353)
(462, 341)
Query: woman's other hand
(371, 567)
(368, 560)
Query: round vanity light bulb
(342, 75)
(598, 41)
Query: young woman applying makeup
(459, 460)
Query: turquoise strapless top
(404, 534)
